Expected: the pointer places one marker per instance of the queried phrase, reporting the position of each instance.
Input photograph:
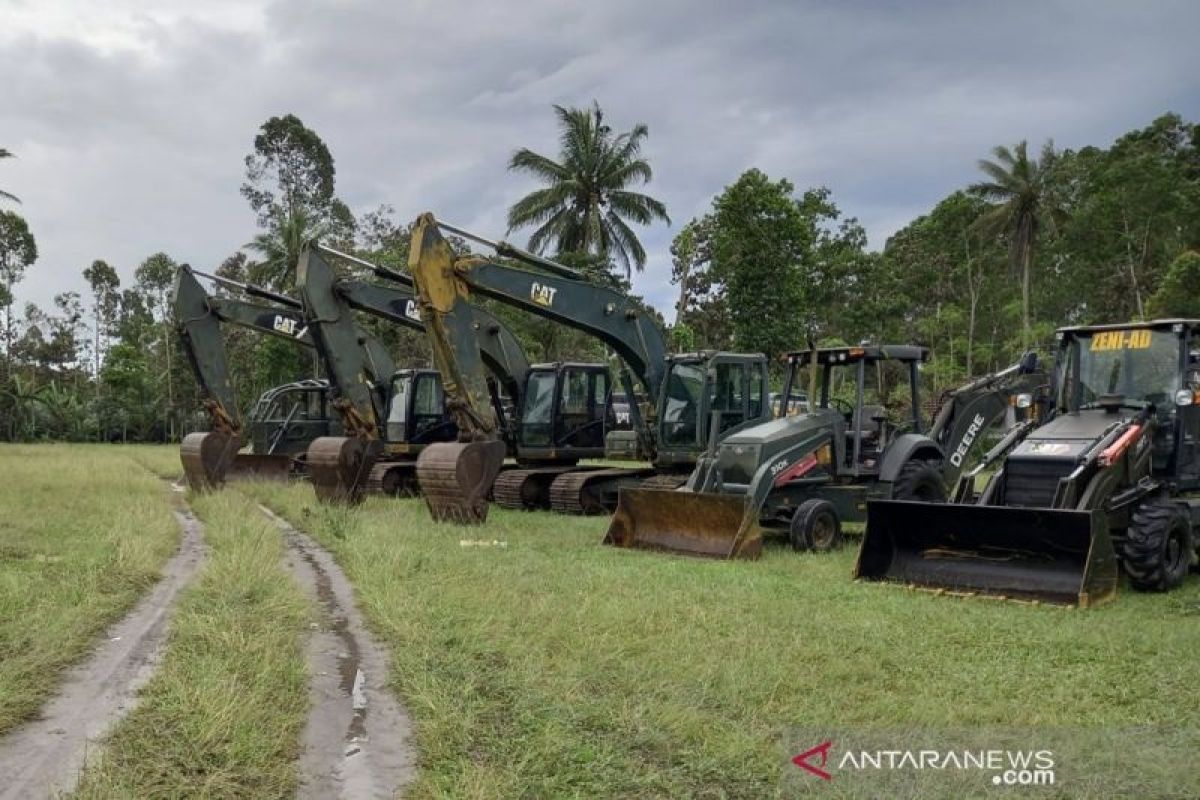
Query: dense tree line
(1042, 239)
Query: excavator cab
(417, 412)
(286, 418)
(700, 386)
(565, 406)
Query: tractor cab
(699, 386)
(417, 412)
(566, 410)
(853, 385)
(286, 418)
(1114, 371)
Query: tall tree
(3, 194)
(289, 170)
(155, 276)
(18, 251)
(587, 205)
(1019, 187)
(106, 302)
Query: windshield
(685, 387)
(538, 409)
(1139, 364)
(399, 408)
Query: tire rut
(45, 757)
(358, 739)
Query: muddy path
(45, 757)
(358, 739)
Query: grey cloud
(124, 153)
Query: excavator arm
(209, 457)
(445, 286)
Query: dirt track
(358, 740)
(45, 757)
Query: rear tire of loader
(919, 480)
(1158, 546)
(815, 526)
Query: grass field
(223, 715)
(84, 532)
(536, 663)
(555, 667)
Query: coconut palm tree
(586, 205)
(3, 194)
(1019, 188)
(280, 248)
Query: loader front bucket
(690, 523)
(338, 467)
(206, 458)
(456, 477)
(1048, 555)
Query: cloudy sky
(130, 119)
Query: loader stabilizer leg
(689, 523)
(455, 478)
(1047, 555)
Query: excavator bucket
(339, 466)
(1047, 555)
(690, 523)
(211, 459)
(456, 477)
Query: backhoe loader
(807, 473)
(1103, 479)
(284, 420)
(553, 415)
(685, 388)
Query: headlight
(1024, 400)
(1183, 397)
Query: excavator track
(525, 489)
(338, 467)
(455, 479)
(394, 478)
(583, 492)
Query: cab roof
(1120, 326)
(868, 352)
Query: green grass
(224, 714)
(84, 532)
(556, 667)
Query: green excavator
(384, 455)
(284, 420)
(1108, 477)
(807, 473)
(667, 432)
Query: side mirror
(1028, 363)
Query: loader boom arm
(971, 409)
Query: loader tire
(815, 526)
(1158, 546)
(919, 480)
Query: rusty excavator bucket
(338, 467)
(456, 477)
(689, 523)
(211, 459)
(1033, 554)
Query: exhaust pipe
(1047, 555)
